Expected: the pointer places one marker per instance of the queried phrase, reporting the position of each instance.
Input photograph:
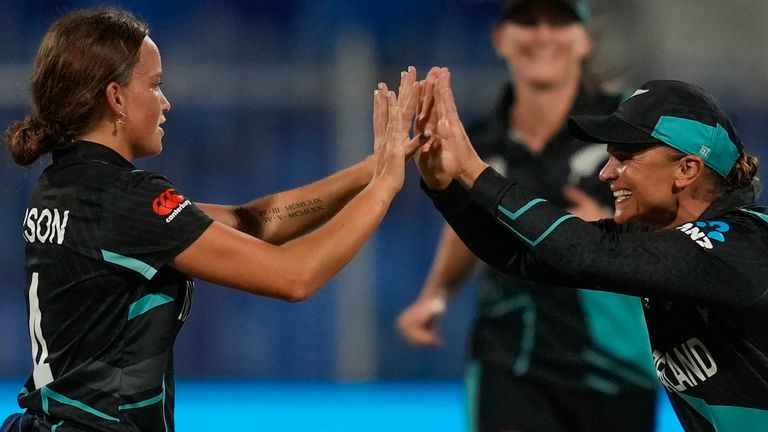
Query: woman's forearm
(286, 215)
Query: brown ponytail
(743, 175)
(80, 54)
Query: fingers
(408, 96)
(380, 115)
(576, 196)
(427, 94)
(418, 325)
(427, 119)
(584, 205)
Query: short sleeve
(146, 222)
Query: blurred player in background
(544, 358)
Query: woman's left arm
(286, 215)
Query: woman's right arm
(292, 271)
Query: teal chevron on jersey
(139, 267)
(762, 216)
(521, 210)
(544, 235)
(730, 418)
(47, 394)
(146, 303)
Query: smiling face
(144, 103)
(543, 43)
(642, 178)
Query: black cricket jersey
(104, 306)
(550, 334)
(703, 283)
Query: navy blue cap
(675, 113)
(510, 8)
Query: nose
(543, 29)
(610, 170)
(166, 105)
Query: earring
(119, 121)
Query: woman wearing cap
(686, 236)
(542, 357)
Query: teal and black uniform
(585, 353)
(104, 306)
(703, 284)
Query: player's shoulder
(141, 179)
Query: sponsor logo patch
(704, 232)
(166, 202)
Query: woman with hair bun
(111, 249)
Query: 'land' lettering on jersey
(687, 366)
(45, 225)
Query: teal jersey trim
(521, 210)
(472, 382)
(544, 235)
(139, 267)
(23, 391)
(726, 418)
(143, 403)
(711, 143)
(617, 325)
(147, 303)
(523, 302)
(56, 426)
(638, 378)
(762, 216)
(601, 384)
(46, 394)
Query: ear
(115, 97)
(498, 37)
(689, 169)
(584, 43)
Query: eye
(622, 156)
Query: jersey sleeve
(146, 222)
(716, 262)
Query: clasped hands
(441, 147)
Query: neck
(539, 112)
(690, 209)
(104, 135)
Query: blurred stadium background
(269, 95)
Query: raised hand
(450, 155)
(408, 100)
(390, 163)
(426, 120)
(380, 116)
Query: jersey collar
(89, 151)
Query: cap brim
(607, 129)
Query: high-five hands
(392, 120)
(446, 153)
(444, 150)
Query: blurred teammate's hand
(419, 323)
(584, 206)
